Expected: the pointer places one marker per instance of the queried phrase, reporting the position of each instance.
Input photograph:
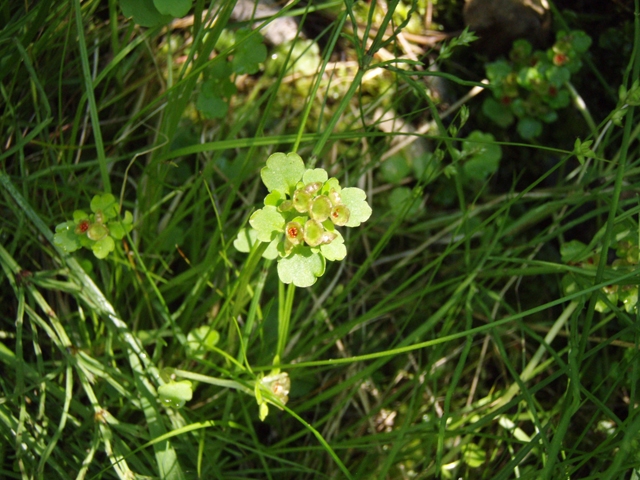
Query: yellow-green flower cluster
(316, 207)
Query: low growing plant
(96, 231)
(532, 85)
(587, 258)
(298, 224)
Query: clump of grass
(446, 344)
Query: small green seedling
(627, 259)
(481, 155)
(531, 86)
(300, 217)
(151, 13)
(626, 98)
(175, 394)
(202, 339)
(96, 231)
(218, 86)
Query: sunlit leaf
(302, 268)
(175, 8)
(144, 13)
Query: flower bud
(82, 227)
(313, 232)
(340, 215)
(97, 231)
(285, 206)
(99, 216)
(286, 248)
(293, 232)
(279, 384)
(335, 197)
(320, 208)
(313, 187)
(327, 237)
(301, 200)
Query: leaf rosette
(96, 231)
(300, 217)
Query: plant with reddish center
(299, 220)
(96, 231)
(532, 86)
(560, 59)
(627, 252)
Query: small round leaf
(283, 172)
(359, 209)
(268, 222)
(103, 247)
(175, 394)
(302, 267)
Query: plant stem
(219, 382)
(285, 306)
(528, 371)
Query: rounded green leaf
(331, 184)
(211, 106)
(268, 222)
(574, 251)
(65, 238)
(274, 198)
(315, 175)
(628, 295)
(561, 100)
(302, 267)
(425, 165)
(305, 57)
(558, 76)
(474, 455)
(496, 111)
(102, 247)
(283, 172)
(175, 8)
(484, 155)
(245, 240)
(395, 168)
(529, 128)
(106, 204)
(271, 253)
(580, 41)
(249, 53)
(356, 201)
(202, 338)
(175, 394)
(144, 13)
(398, 200)
(498, 71)
(118, 230)
(79, 215)
(336, 250)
